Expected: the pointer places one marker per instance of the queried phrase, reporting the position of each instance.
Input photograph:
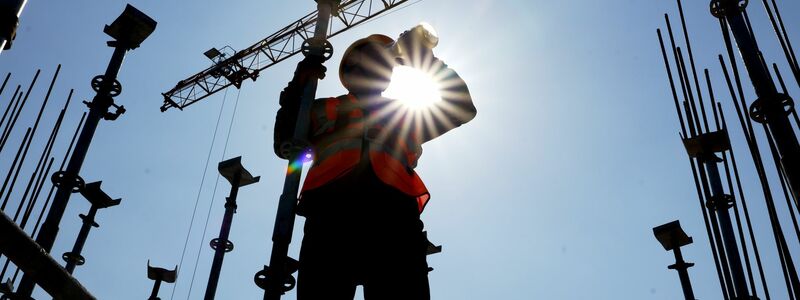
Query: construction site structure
(237, 176)
(706, 138)
(10, 10)
(129, 30)
(233, 70)
(672, 237)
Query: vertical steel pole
(720, 205)
(683, 273)
(221, 245)
(154, 293)
(74, 258)
(274, 279)
(770, 107)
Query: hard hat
(350, 57)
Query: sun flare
(414, 88)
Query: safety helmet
(351, 57)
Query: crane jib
(285, 43)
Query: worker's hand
(310, 68)
(415, 56)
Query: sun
(414, 88)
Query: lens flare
(306, 157)
(414, 88)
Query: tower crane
(277, 47)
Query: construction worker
(361, 197)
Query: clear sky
(550, 193)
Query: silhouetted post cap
(671, 235)
(97, 197)
(161, 274)
(131, 28)
(233, 166)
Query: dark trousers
(359, 231)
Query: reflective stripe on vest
(338, 135)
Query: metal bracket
(431, 248)
(707, 143)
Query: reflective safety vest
(343, 136)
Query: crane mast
(286, 42)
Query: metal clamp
(66, 180)
(226, 245)
(325, 50)
(262, 277)
(758, 108)
(720, 202)
(114, 89)
(75, 258)
(719, 8)
(120, 109)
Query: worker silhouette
(361, 197)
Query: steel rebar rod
(781, 177)
(671, 82)
(785, 91)
(10, 104)
(40, 165)
(783, 38)
(45, 154)
(743, 201)
(20, 159)
(722, 126)
(3, 87)
(35, 196)
(756, 156)
(6, 129)
(13, 121)
(692, 64)
(61, 168)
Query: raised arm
(455, 108)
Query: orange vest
(339, 130)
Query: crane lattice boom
(247, 63)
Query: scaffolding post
(672, 237)
(159, 275)
(276, 279)
(238, 176)
(99, 200)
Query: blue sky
(550, 193)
